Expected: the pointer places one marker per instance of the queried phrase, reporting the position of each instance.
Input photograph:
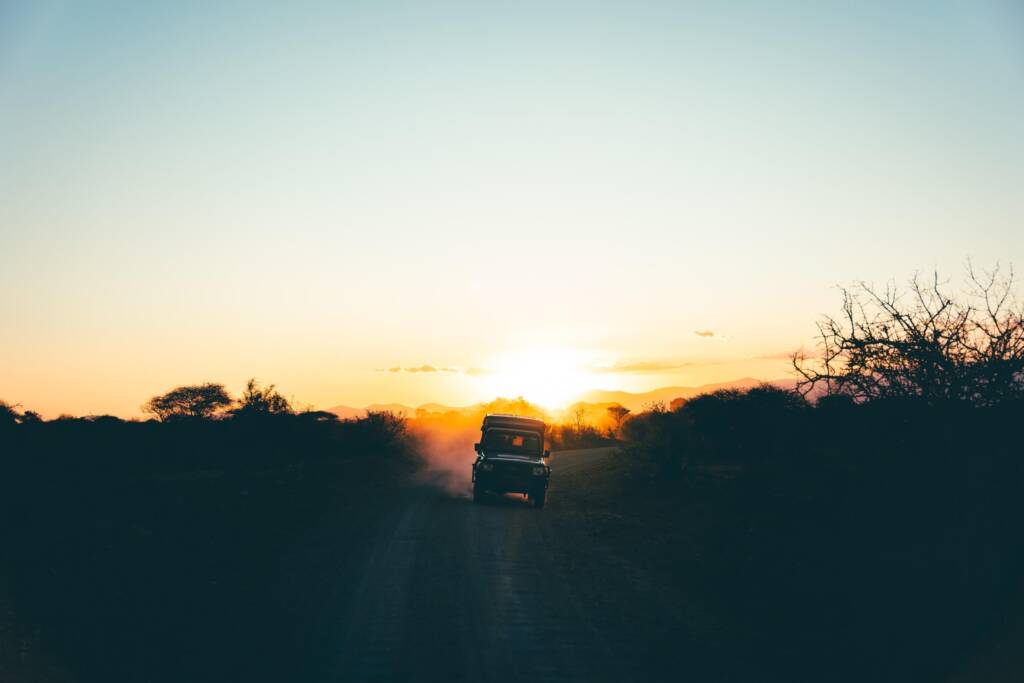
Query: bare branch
(921, 342)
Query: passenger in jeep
(503, 441)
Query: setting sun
(551, 377)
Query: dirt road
(450, 591)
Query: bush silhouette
(9, 415)
(258, 400)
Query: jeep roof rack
(509, 421)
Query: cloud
(422, 368)
(479, 372)
(704, 333)
(418, 369)
(639, 367)
(781, 355)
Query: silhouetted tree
(196, 401)
(922, 343)
(257, 400)
(618, 413)
(578, 414)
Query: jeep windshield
(509, 441)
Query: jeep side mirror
(476, 447)
(547, 454)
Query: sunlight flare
(552, 377)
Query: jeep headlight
(538, 471)
(487, 466)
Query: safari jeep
(510, 458)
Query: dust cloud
(447, 455)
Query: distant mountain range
(633, 401)
(637, 401)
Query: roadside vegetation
(153, 550)
(865, 526)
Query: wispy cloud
(418, 369)
(704, 333)
(641, 367)
(781, 355)
(479, 372)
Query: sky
(526, 198)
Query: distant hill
(599, 398)
(441, 408)
(637, 401)
(346, 412)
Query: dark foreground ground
(614, 580)
(450, 590)
(618, 580)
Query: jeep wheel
(478, 493)
(537, 497)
